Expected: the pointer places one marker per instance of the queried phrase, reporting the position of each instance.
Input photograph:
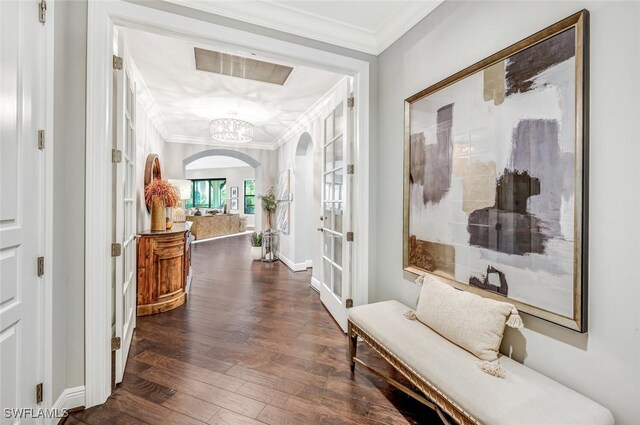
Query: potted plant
(269, 203)
(256, 246)
(160, 194)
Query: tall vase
(268, 219)
(157, 214)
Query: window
(249, 196)
(207, 193)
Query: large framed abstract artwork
(283, 188)
(495, 176)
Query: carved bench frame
(435, 400)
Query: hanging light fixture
(231, 130)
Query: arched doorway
(249, 160)
(303, 199)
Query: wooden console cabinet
(164, 263)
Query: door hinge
(42, 11)
(116, 249)
(40, 266)
(116, 156)
(115, 343)
(351, 169)
(39, 393)
(117, 62)
(349, 236)
(41, 139)
(351, 102)
(348, 303)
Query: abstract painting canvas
(283, 188)
(495, 160)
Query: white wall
(235, 177)
(311, 122)
(604, 363)
(306, 210)
(68, 194)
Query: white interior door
(22, 165)
(335, 288)
(124, 175)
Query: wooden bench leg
(353, 346)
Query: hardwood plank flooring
(252, 345)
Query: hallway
(252, 345)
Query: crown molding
(199, 140)
(270, 14)
(308, 116)
(402, 21)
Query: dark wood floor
(252, 345)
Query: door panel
(335, 286)
(21, 205)
(125, 225)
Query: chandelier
(231, 130)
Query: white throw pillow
(468, 320)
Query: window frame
(245, 196)
(193, 191)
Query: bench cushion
(523, 397)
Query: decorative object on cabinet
(160, 194)
(183, 187)
(270, 246)
(495, 182)
(269, 204)
(256, 245)
(152, 171)
(164, 269)
(283, 190)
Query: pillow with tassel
(468, 320)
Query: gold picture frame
(498, 232)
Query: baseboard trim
(197, 241)
(309, 264)
(71, 398)
(315, 284)
(296, 267)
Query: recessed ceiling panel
(238, 66)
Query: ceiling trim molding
(290, 20)
(304, 121)
(398, 24)
(191, 140)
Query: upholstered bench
(450, 378)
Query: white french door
(22, 207)
(125, 226)
(335, 288)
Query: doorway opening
(103, 18)
(303, 194)
(239, 169)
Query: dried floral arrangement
(163, 190)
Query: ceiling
(366, 26)
(182, 100)
(216, 162)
